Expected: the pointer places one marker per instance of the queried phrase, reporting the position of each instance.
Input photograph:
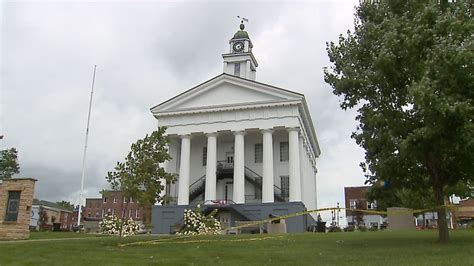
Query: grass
(356, 248)
(55, 235)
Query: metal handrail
(259, 176)
(199, 179)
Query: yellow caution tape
(158, 241)
(394, 212)
(253, 223)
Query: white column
(239, 167)
(267, 182)
(210, 193)
(294, 165)
(247, 69)
(183, 189)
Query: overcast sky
(147, 52)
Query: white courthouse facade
(236, 141)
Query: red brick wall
(355, 193)
(110, 201)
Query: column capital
(211, 134)
(186, 136)
(297, 129)
(267, 130)
(238, 132)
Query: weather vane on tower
(242, 19)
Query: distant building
(56, 216)
(464, 212)
(355, 199)
(114, 203)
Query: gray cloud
(147, 52)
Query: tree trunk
(424, 221)
(436, 179)
(443, 232)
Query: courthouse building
(239, 145)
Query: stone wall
(18, 229)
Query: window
(130, 213)
(237, 69)
(103, 212)
(13, 205)
(105, 199)
(284, 151)
(371, 205)
(285, 187)
(124, 199)
(131, 200)
(204, 156)
(353, 204)
(137, 214)
(115, 200)
(258, 153)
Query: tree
(8, 163)
(141, 175)
(66, 204)
(408, 69)
(43, 219)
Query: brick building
(355, 199)
(114, 203)
(55, 215)
(463, 214)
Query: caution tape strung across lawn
(395, 212)
(253, 223)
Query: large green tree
(9, 163)
(408, 69)
(141, 174)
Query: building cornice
(226, 107)
(230, 55)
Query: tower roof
(241, 34)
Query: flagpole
(85, 152)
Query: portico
(238, 166)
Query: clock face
(238, 47)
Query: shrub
(350, 228)
(362, 228)
(196, 223)
(112, 225)
(373, 228)
(334, 229)
(470, 225)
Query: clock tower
(240, 60)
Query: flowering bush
(115, 226)
(196, 223)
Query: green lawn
(54, 235)
(357, 248)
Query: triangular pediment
(225, 90)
